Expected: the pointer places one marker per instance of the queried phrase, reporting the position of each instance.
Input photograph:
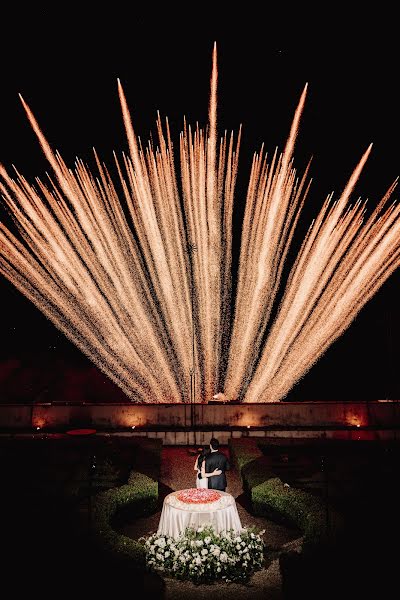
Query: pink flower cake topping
(198, 496)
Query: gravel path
(177, 473)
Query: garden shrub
(140, 496)
(243, 451)
(255, 472)
(273, 499)
(317, 521)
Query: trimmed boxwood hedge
(243, 451)
(305, 511)
(271, 498)
(256, 472)
(140, 496)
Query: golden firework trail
(137, 274)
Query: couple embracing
(210, 466)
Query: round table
(177, 515)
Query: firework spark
(118, 280)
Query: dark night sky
(68, 77)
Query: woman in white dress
(199, 467)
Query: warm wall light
(133, 426)
(38, 423)
(355, 421)
(248, 426)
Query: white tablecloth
(176, 515)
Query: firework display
(136, 272)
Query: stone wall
(251, 417)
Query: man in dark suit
(216, 460)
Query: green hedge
(305, 511)
(256, 472)
(271, 498)
(250, 462)
(243, 451)
(140, 496)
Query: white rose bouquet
(204, 556)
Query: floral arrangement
(203, 556)
(198, 496)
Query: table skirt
(175, 518)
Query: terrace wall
(186, 424)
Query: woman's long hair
(205, 452)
